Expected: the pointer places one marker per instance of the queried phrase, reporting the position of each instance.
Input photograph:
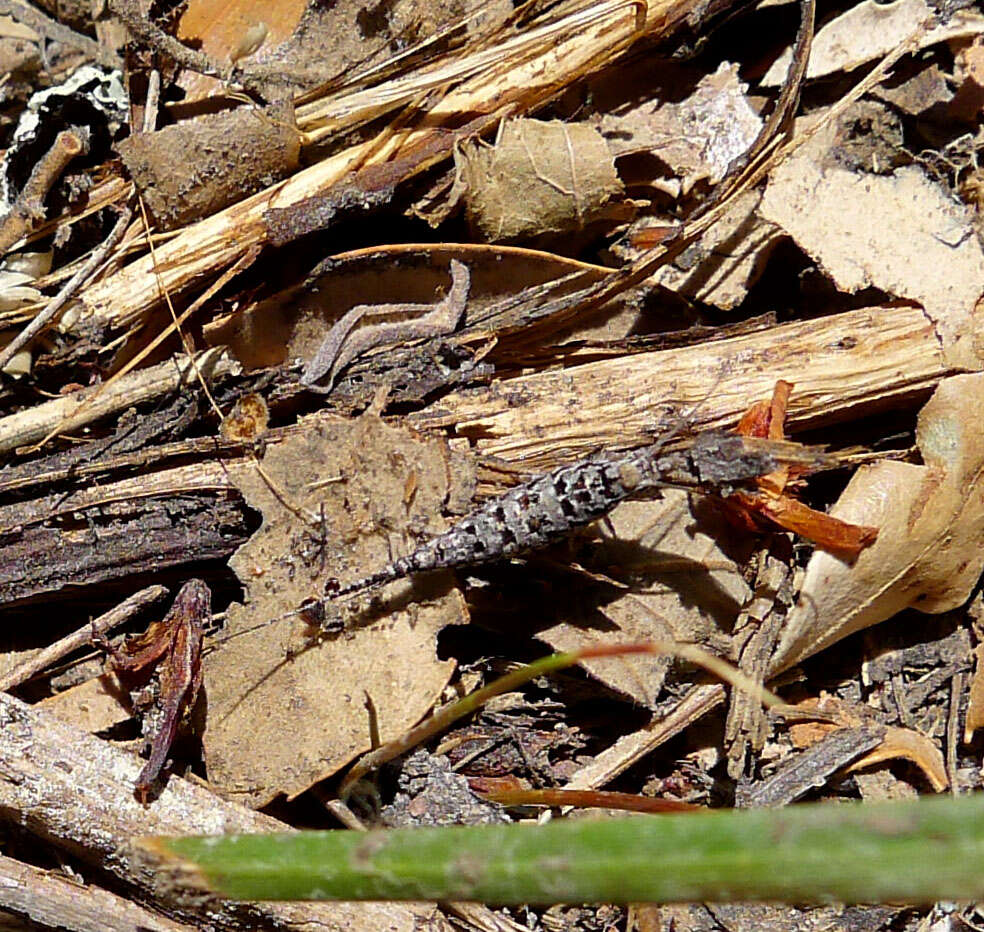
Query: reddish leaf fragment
(772, 506)
(767, 418)
(838, 537)
(174, 646)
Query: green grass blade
(915, 852)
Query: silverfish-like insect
(551, 506)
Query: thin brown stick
(48, 28)
(458, 708)
(28, 209)
(80, 638)
(175, 326)
(68, 412)
(55, 305)
(148, 32)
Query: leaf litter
(893, 232)
(683, 586)
(858, 209)
(172, 647)
(287, 708)
(930, 549)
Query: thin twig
(28, 208)
(148, 32)
(42, 319)
(145, 30)
(242, 263)
(48, 28)
(80, 638)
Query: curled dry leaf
(411, 322)
(174, 645)
(870, 30)
(538, 178)
(285, 707)
(930, 549)
(818, 717)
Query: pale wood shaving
(856, 359)
(88, 405)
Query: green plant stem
(915, 852)
(453, 711)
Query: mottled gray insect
(549, 507)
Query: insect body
(549, 507)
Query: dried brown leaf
(286, 710)
(930, 548)
(901, 233)
(926, 89)
(174, 647)
(538, 178)
(841, 538)
(93, 705)
(689, 591)
(235, 31)
(969, 98)
(728, 259)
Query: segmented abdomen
(528, 517)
